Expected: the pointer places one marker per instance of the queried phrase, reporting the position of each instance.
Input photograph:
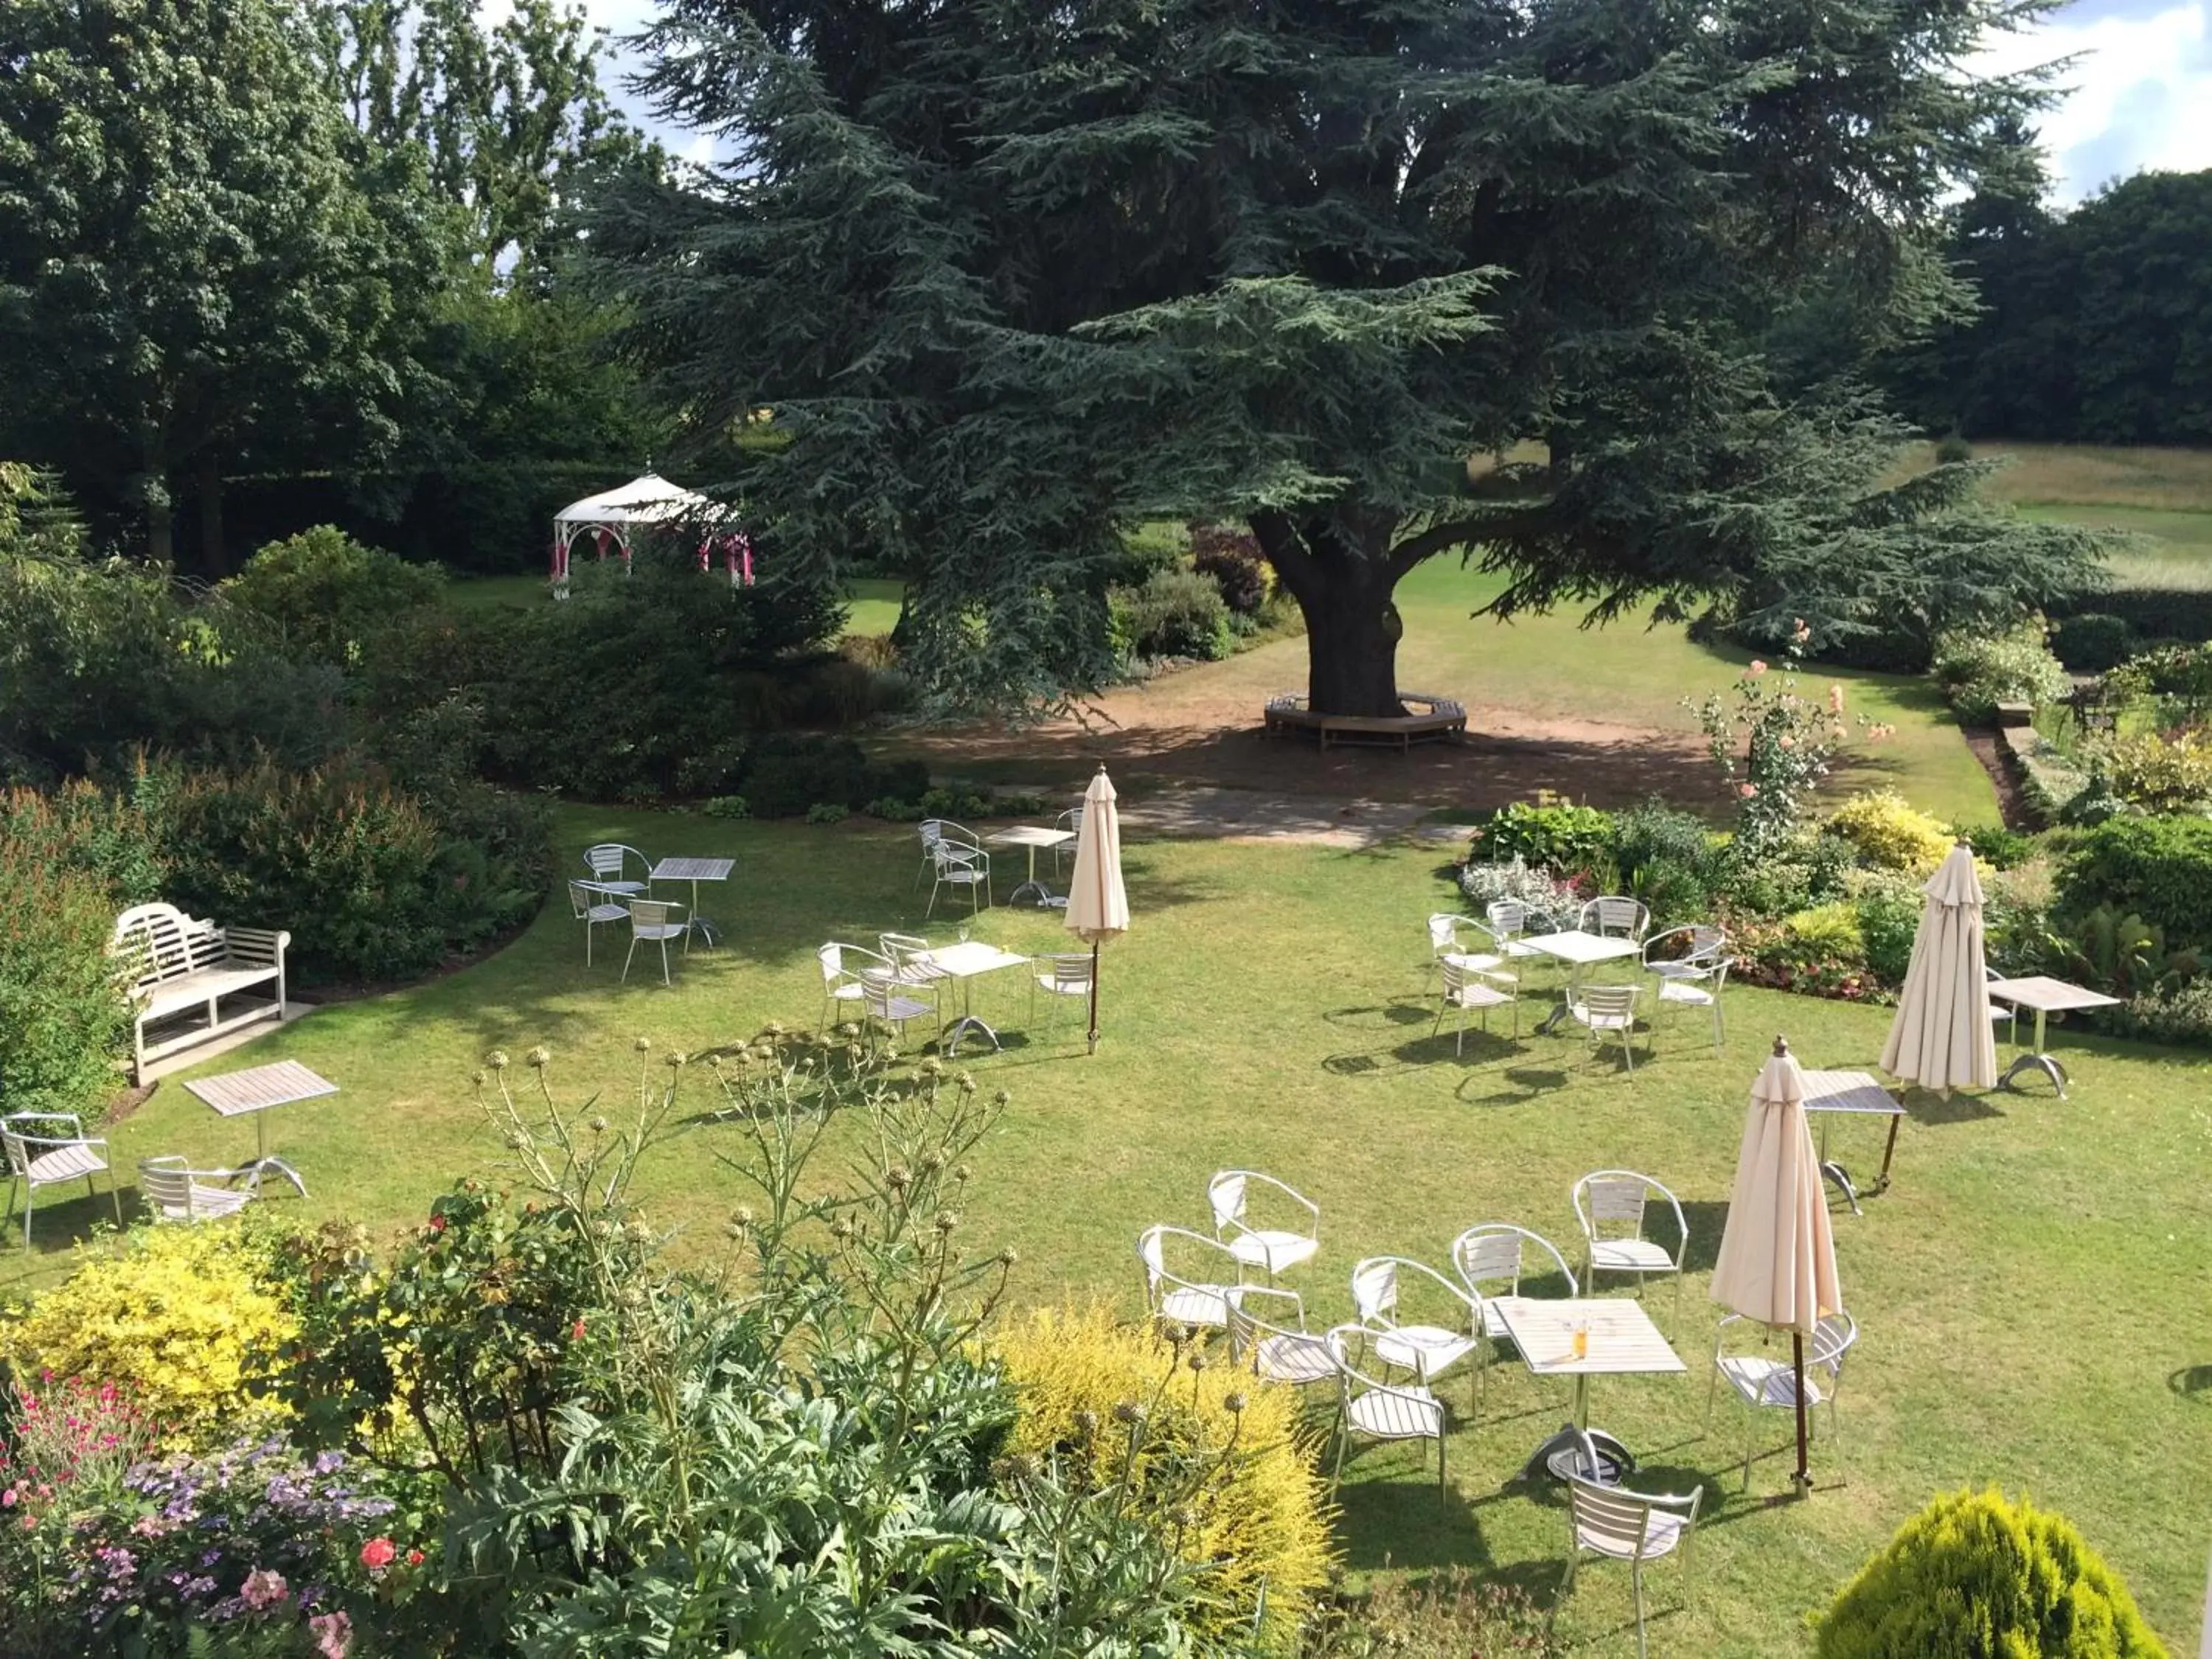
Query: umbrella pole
(1797, 1357)
(1094, 997)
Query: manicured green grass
(2031, 1288)
(1637, 675)
(875, 604)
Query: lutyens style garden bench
(177, 965)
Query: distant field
(875, 605)
(2163, 497)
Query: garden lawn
(2031, 1290)
(1634, 674)
(873, 606)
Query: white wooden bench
(178, 966)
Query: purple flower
(329, 1462)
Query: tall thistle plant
(795, 1446)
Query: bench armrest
(263, 946)
(66, 1140)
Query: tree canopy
(1012, 277)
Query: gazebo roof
(647, 500)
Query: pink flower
(1756, 669)
(264, 1588)
(1835, 699)
(414, 1558)
(576, 1332)
(1747, 790)
(333, 1634)
(1801, 632)
(1786, 741)
(377, 1554)
(8, 1498)
(437, 1224)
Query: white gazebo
(614, 519)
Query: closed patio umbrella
(1098, 905)
(1942, 1038)
(1778, 1259)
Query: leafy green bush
(1889, 833)
(1978, 670)
(788, 773)
(1486, 885)
(1973, 1576)
(326, 592)
(2092, 642)
(2158, 773)
(372, 885)
(1561, 839)
(1888, 918)
(827, 812)
(2168, 1013)
(1230, 557)
(63, 1019)
(1998, 847)
(2157, 868)
(1175, 613)
(2122, 954)
(726, 806)
(1259, 1536)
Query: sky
(2139, 91)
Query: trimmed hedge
(2155, 613)
(2157, 868)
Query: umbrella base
(1837, 1173)
(1561, 1457)
(2043, 1063)
(960, 1028)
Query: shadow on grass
(1926, 1106)
(2192, 1380)
(1708, 1219)
(1400, 1519)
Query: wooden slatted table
(1033, 837)
(2046, 996)
(236, 1094)
(1622, 1342)
(695, 870)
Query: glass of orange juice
(1581, 1339)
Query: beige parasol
(1098, 905)
(1941, 1037)
(1778, 1259)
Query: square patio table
(2047, 997)
(964, 962)
(1033, 837)
(1856, 1093)
(236, 1094)
(1581, 951)
(1623, 1342)
(695, 870)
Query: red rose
(437, 1224)
(414, 1558)
(377, 1553)
(576, 1332)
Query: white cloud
(2138, 95)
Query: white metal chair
(1509, 922)
(961, 866)
(1494, 1254)
(1064, 976)
(840, 976)
(1610, 1207)
(1468, 986)
(911, 966)
(652, 921)
(1278, 1351)
(1173, 1299)
(2002, 1014)
(1426, 1349)
(884, 1000)
(173, 1192)
(1628, 1526)
(609, 863)
(1614, 915)
(1381, 1411)
(39, 1159)
(1685, 950)
(936, 832)
(1271, 1249)
(1769, 1381)
(592, 905)
(1070, 820)
(1608, 1008)
(1699, 989)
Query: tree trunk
(213, 555)
(1353, 628)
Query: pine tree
(1013, 275)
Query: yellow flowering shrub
(1890, 833)
(178, 1317)
(1261, 1519)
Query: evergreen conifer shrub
(1974, 1577)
